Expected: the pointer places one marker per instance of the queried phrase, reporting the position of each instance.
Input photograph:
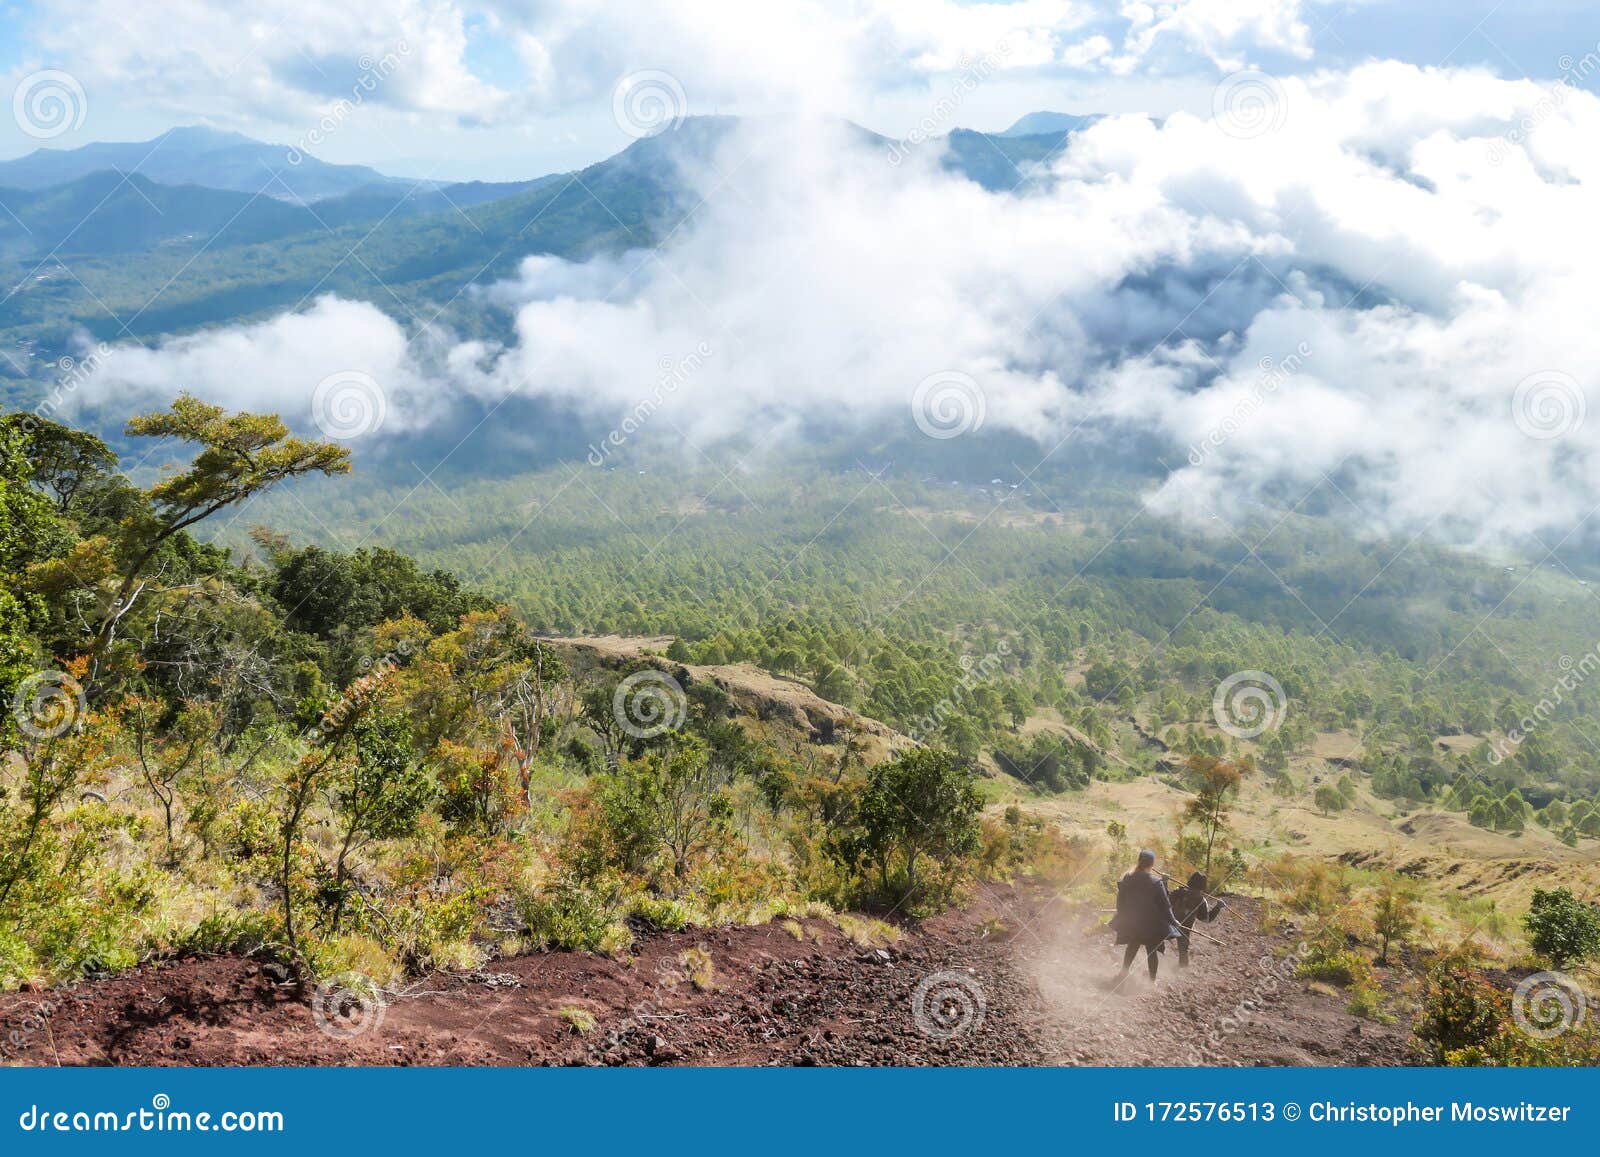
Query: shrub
(579, 1020)
(1339, 966)
(1468, 1021)
(572, 913)
(1460, 1010)
(916, 811)
(1561, 927)
(698, 967)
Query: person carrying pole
(1144, 916)
(1189, 904)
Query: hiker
(1144, 915)
(1189, 904)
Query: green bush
(1342, 967)
(1562, 928)
(916, 823)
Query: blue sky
(515, 88)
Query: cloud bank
(1379, 277)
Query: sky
(517, 88)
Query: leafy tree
(241, 455)
(1328, 799)
(672, 801)
(1562, 928)
(1395, 918)
(381, 796)
(922, 804)
(26, 523)
(1216, 784)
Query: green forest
(381, 758)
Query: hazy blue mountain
(419, 247)
(999, 163)
(109, 212)
(195, 155)
(1036, 123)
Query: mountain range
(226, 230)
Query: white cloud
(287, 62)
(1401, 264)
(280, 61)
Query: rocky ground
(1010, 979)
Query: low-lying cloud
(1385, 280)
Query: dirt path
(1011, 979)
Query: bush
(1460, 1010)
(917, 811)
(575, 914)
(1561, 927)
(1466, 1021)
(1339, 966)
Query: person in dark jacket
(1189, 904)
(1144, 916)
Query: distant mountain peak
(204, 137)
(1038, 123)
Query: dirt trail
(1010, 979)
